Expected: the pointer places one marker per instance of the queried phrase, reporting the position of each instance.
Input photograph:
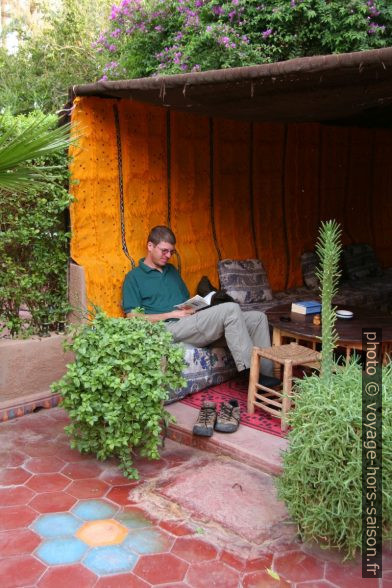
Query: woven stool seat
(296, 353)
(273, 400)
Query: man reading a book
(156, 286)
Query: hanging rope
(212, 214)
(251, 191)
(121, 185)
(168, 175)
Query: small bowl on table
(344, 314)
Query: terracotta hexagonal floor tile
(12, 459)
(49, 464)
(13, 476)
(193, 550)
(262, 579)
(20, 571)
(120, 494)
(232, 560)
(315, 584)
(16, 517)
(260, 563)
(14, 496)
(297, 566)
(160, 568)
(212, 573)
(387, 580)
(177, 528)
(66, 576)
(81, 470)
(41, 448)
(348, 575)
(89, 488)
(149, 468)
(18, 542)
(71, 455)
(122, 581)
(48, 482)
(52, 502)
(114, 477)
(386, 561)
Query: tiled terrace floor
(194, 519)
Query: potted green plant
(115, 389)
(321, 482)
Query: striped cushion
(245, 280)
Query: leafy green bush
(176, 36)
(321, 482)
(115, 388)
(33, 244)
(52, 56)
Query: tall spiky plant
(328, 249)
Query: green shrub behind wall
(33, 247)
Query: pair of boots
(208, 420)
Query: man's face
(160, 254)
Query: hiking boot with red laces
(204, 425)
(228, 419)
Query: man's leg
(205, 327)
(258, 329)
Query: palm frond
(18, 148)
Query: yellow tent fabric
(228, 189)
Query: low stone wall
(28, 367)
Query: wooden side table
(272, 400)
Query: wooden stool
(273, 401)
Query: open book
(196, 302)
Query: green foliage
(19, 145)
(322, 469)
(175, 36)
(114, 390)
(321, 482)
(52, 58)
(328, 249)
(33, 242)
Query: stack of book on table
(306, 307)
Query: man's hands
(181, 313)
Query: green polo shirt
(155, 291)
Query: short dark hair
(161, 233)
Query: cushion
(245, 280)
(360, 262)
(309, 262)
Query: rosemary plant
(328, 249)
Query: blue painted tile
(110, 559)
(55, 525)
(146, 541)
(133, 520)
(94, 510)
(65, 550)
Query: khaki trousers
(242, 330)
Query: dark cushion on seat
(360, 262)
(245, 280)
(309, 262)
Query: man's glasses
(166, 251)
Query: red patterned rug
(237, 389)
